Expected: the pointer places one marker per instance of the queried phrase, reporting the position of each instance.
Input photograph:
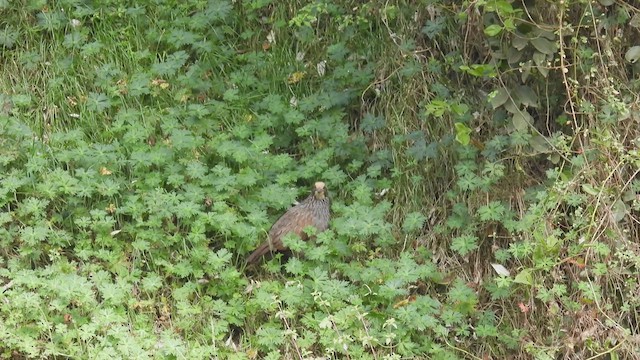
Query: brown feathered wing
(310, 212)
(293, 221)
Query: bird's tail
(259, 252)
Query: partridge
(312, 211)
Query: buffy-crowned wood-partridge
(312, 211)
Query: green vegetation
(482, 158)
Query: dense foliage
(482, 158)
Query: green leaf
(218, 10)
(619, 210)
(21, 100)
(519, 42)
(525, 277)
(498, 97)
(171, 64)
(293, 117)
(98, 102)
(540, 60)
(544, 45)
(418, 150)
(633, 54)
(514, 55)
(589, 189)
(8, 37)
(371, 123)
(480, 70)
(179, 37)
(139, 84)
(432, 28)
(486, 331)
(522, 120)
(494, 211)
(464, 244)
(462, 133)
(459, 108)
(540, 144)
(526, 96)
(413, 222)
(270, 335)
(492, 30)
(437, 108)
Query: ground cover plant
(481, 156)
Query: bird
(312, 211)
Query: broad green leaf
(514, 55)
(614, 355)
(522, 120)
(479, 70)
(526, 96)
(437, 108)
(627, 196)
(524, 277)
(619, 210)
(543, 45)
(492, 30)
(519, 43)
(511, 106)
(540, 60)
(540, 144)
(589, 189)
(21, 100)
(498, 97)
(459, 109)
(462, 133)
(633, 54)
(509, 24)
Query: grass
(145, 150)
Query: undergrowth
(481, 158)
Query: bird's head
(319, 190)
